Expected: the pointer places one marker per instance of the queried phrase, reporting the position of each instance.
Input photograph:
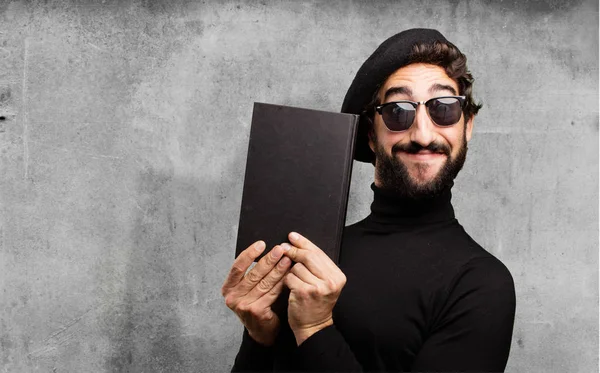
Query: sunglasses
(444, 111)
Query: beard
(394, 176)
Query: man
(418, 293)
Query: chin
(422, 177)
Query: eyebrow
(442, 87)
(402, 90)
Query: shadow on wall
(145, 329)
(171, 316)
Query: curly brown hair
(453, 61)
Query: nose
(422, 129)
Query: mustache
(414, 147)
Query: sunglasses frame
(415, 104)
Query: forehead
(418, 78)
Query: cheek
(454, 137)
(387, 139)
(379, 127)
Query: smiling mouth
(424, 151)
(425, 154)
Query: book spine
(239, 247)
(345, 192)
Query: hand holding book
(250, 295)
(315, 282)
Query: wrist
(302, 334)
(261, 339)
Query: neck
(390, 208)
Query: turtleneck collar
(391, 209)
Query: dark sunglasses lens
(445, 111)
(398, 116)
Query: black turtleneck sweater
(420, 295)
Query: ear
(469, 128)
(371, 134)
(371, 142)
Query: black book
(297, 177)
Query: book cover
(297, 178)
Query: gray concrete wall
(123, 148)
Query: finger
(241, 265)
(293, 282)
(260, 270)
(271, 296)
(315, 261)
(300, 271)
(300, 241)
(270, 280)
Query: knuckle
(278, 271)
(318, 289)
(243, 307)
(268, 316)
(268, 261)
(264, 285)
(332, 284)
(255, 311)
(236, 271)
(303, 293)
(230, 302)
(292, 253)
(253, 277)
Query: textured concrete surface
(124, 129)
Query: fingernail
(286, 246)
(284, 261)
(294, 236)
(275, 252)
(259, 246)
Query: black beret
(391, 55)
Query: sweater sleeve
(252, 356)
(473, 331)
(327, 351)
